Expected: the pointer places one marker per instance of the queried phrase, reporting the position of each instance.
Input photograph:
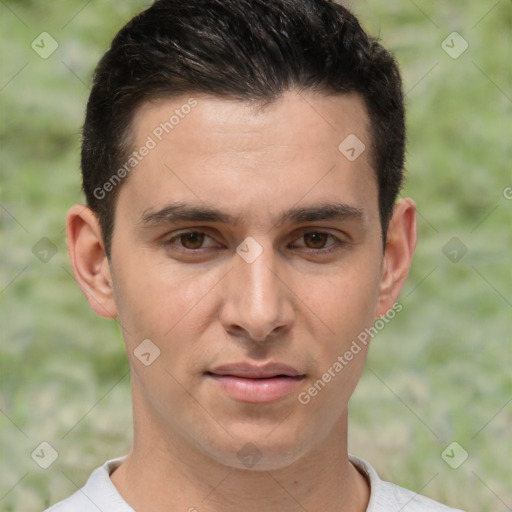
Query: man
(241, 161)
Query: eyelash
(326, 250)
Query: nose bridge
(256, 300)
(259, 280)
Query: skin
(295, 304)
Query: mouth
(248, 383)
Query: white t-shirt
(99, 493)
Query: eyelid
(338, 242)
(168, 240)
(307, 231)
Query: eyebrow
(179, 212)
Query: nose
(257, 302)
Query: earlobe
(89, 261)
(398, 253)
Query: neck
(169, 474)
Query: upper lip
(250, 371)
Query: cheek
(160, 301)
(346, 305)
(345, 301)
(166, 305)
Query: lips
(248, 383)
(250, 371)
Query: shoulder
(77, 502)
(388, 497)
(98, 493)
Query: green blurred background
(438, 373)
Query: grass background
(440, 372)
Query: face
(247, 248)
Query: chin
(262, 452)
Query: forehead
(242, 124)
(246, 156)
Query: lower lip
(256, 390)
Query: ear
(398, 253)
(89, 261)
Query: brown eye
(315, 240)
(193, 240)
